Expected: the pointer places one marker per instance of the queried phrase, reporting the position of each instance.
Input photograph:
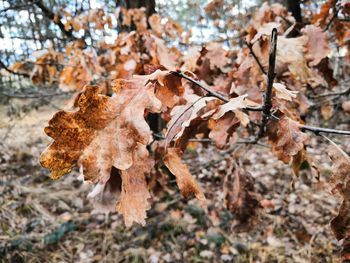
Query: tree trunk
(293, 6)
(154, 120)
(149, 5)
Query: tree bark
(293, 6)
(149, 5)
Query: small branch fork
(267, 105)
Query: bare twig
(318, 130)
(2, 65)
(210, 92)
(255, 57)
(266, 108)
(335, 15)
(345, 92)
(52, 16)
(34, 96)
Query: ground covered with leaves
(42, 220)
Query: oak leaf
(184, 179)
(317, 44)
(286, 138)
(107, 133)
(240, 197)
(341, 184)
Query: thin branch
(255, 57)
(210, 92)
(335, 15)
(160, 137)
(51, 15)
(318, 130)
(266, 108)
(345, 92)
(34, 96)
(2, 65)
(16, 7)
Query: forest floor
(42, 220)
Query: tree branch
(266, 108)
(210, 92)
(51, 15)
(2, 65)
(345, 92)
(255, 57)
(318, 130)
(34, 96)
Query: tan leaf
(184, 179)
(240, 197)
(286, 138)
(317, 44)
(233, 105)
(346, 106)
(327, 111)
(135, 197)
(341, 183)
(283, 93)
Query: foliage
(206, 94)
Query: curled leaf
(184, 179)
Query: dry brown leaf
(286, 138)
(346, 106)
(317, 44)
(327, 111)
(135, 197)
(74, 131)
(283, 93)
(217, 56)
(240, 197)
(184, 179)
(341, 184)
(223, 129)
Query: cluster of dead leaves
(109, 139)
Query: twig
(345, 92)
(34, 96)
(318, 130)
(210, 92)
(2, 65)
(266, 108)
(52, 16)
(160, 137)
(255, 57)
(335, 15)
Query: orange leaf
(184, 179)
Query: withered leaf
(286, 138)
(341, 184)
(317, 44)
(74, 131)
(184, 179)
(240, 197)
